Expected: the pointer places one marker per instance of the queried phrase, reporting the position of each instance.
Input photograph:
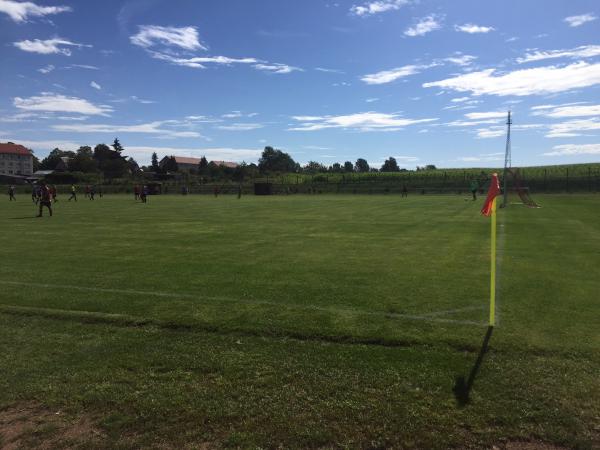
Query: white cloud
(82, 66)
(480, 158)
(48, 46)
(144, 128)
(460, 99)
(48, 101)
(499, 130)
(471, 28)
(21, 11)
(152, 35)
(575, 21)
(460, 59)
(574, 149)
(486, 115)
(276, 68)
(143, 153)
(584, 51)
(323, 69)
(232, 115)
(471, 123)
(95, 85)
(424, 26)
(492, 132)
(572, 128)
(240, 126)
(376, 7)
(46, 146)
(20, 117)
(368, 121)
(198, 62)
(537, 81)
(46, 69)
(387, 76)
(371, 100)
(566, 111)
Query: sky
(424, 81)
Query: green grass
(302, 321)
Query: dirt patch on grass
(34, 426)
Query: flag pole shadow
(462, 388)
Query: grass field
(301, 321)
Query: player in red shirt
(46, 199)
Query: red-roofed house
(15, 159)
(184, 163)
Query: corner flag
(489, 209)
(493, 192)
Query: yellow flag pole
(493, 268)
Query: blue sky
(428, 82)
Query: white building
(15, 159)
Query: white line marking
(430, 317)
(453, 311)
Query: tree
(170, 165)
(361, 165)
(203, 166)
(154, 166)
(83, 161)
(110, 162)
(314, 167)
(336, 168)
(273, 160)
(54, 157)
(36, 163)
(348, 167)
(390, 165)
(132, 165)
(430, 167)
(117, 146)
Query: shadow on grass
(23, 217)
(462, 388)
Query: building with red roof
(15, 159)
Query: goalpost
(517, 181)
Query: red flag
(492, 193)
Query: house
(15, 159)
(63, 164)
(184, 163)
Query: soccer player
(404, 191)
(34, 193)
(144, 194)
(473, 187)
(11, 193)
(92, 192)
(73, 193)
(136, 192)
(53, 192)
(45, 199)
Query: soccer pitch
(301, 321)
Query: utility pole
(507, 162)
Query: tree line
(100, 160)
(112, 163)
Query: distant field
(300, 321)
